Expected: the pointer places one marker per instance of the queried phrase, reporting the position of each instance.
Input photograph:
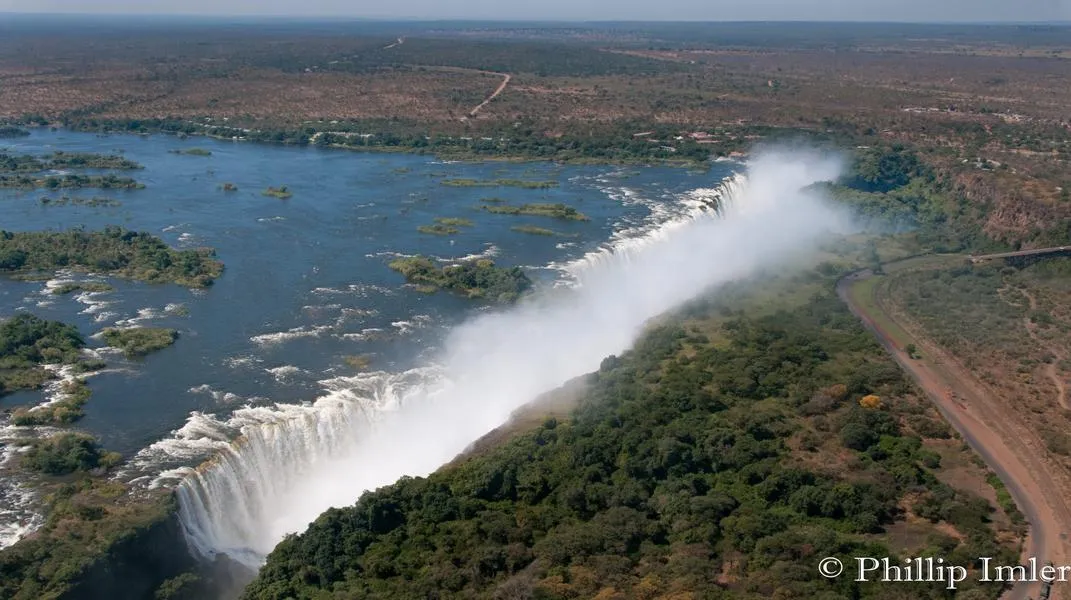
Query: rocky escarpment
(102, 542)
(136, 565)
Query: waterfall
(261, 453)
(277, 468)
(699, 203)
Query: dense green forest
(474, 278)
(114, 251)
(699, 465)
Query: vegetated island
(532, 230)
(517, 183)
(556, 211)
(25, 163)
(94, 202)
(88, 160)
(281, 192)
(228, 187)
(29, 343)
(114, 251)
(52, 182)
(82, 286)
(445, 226)
(454, 221)
(438, 229)
(360, 362)
(192, 152)
(475, 278)
(66, 453)
(137, 342)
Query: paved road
(982, 423)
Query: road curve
(1024, 483)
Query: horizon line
(520, 20)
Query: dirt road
(501, 88)
(990, 427)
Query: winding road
(1007, 445)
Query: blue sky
(712, 10)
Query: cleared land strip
(988, 425)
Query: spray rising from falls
(277, 469)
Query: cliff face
(101, 542)
(136, 564)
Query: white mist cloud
(292, 469)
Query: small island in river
(474, 278)
(113, 251)
(281, 192)
(137, 342)
(25, 163)
(31, 352)
(555, 211)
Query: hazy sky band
(698, 10)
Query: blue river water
(306, 282)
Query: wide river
(306, 282)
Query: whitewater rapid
(276, 468)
